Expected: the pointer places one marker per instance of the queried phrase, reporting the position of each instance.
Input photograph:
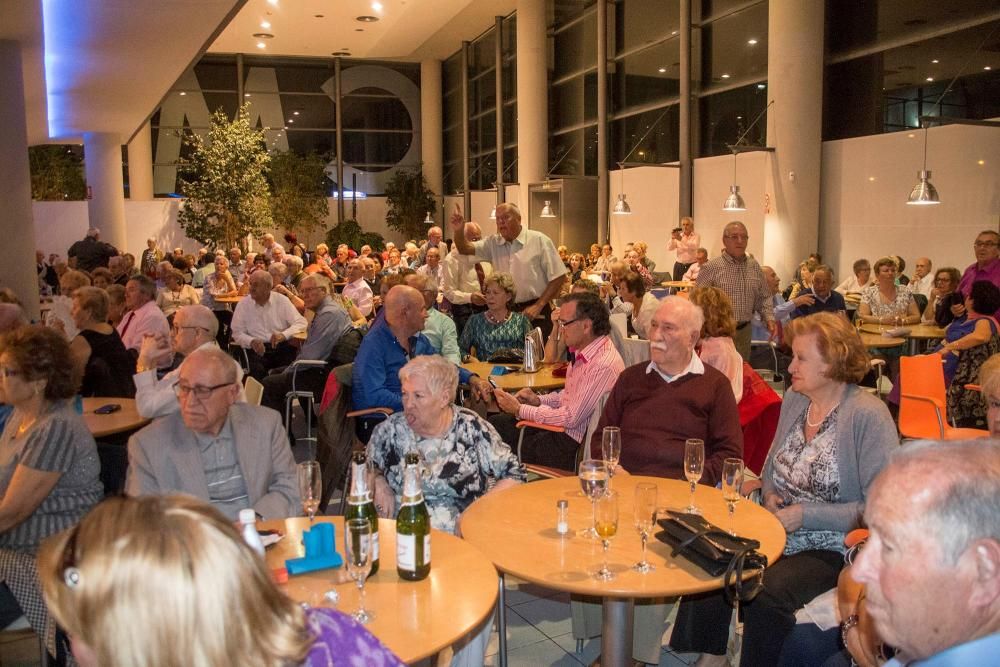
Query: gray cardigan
(866, 436)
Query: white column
(17, 271)
(532, 98)
(794, 129)
(140, 165)
(431, 126)
(102, 159)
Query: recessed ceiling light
(182, 93)
(295, 113)
(674, 32)
(263, 35)
(725, 76)
(340, 53)
(246, 94)
(987, 68)
(930, 78)
(752, 42)
(261, 45)
(981, 162)
(871, 179)
(662, 70)
(273, 2)
(910, 135)
(376, 6)
(265, 24)
(291, 120)
(935, 61)
(367, 19)
(761, 86)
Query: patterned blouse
(456, 467)
(487, 337)
(340, 640)
(807, 472)
(898, 307)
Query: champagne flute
(611, 449)
(606, 525)
(358, 553)
(644, 511)
(694, 467)
(732, 482)
(310, 487)
(594, 482)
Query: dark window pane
(482, 54)
(660, 143)
(567, 10)
(575, 48)
(639, 22)
(216, 73)
(735, 47)
(648, 76)
(314, 111)
(376, 150)
(573, 102)
(725, 116)
(574, 153)
(383, 113)
(304, 141)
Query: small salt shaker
(562, 518)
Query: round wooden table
(678, 284)
(416, 619)
(229, 299)
(876, 340)
(918, 332)
(517, 529)
(541, 380)
(122, 421)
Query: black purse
(716, 552)
(507, 355)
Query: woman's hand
(385, 499)
(790, 517)
(772, 502)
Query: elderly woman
(642, 248)
(968, 342)
(98, 354)
(49, 470)
(498, 327)
(175, 293)
(885, 303)
(101, 277)
(804, 280)
(861, 276)
(603, 263)
(715, 347)
(634, 263)
(944, 297)
(216, 601)
(595, 254)
(833, 438)
(322, 255)
(60, 315)
(220, 283)
(632, 290)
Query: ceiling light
(265, 24)
(261, 45)
(366, 19)
(761, 86)
(182, 93)
(291, 120)
(910, 135)
(930, 78)
(935, 61)
(871, 179)
(246, 94)
(295, 113)
(725, 76)
(987, 68)
(981, 162)
(662, 70)
(923, 193)
(376, 6)
(674, 32)
(752, 42)
(547, 211)
(429, 220)
(263, 35)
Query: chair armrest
(926, 399)
(750, 486)
(546, 471)
(307, 363)
(544, 427)
(370, 411)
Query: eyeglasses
(183, 391)
(566, 323)
(310, 290)
(737, 237)
(985, 244)
(9, 373)
(177, 328)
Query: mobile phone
(107, 409)
(493, 383)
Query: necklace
(493, 320)
(809, 421)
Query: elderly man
(463, 279)
(90, 252)
(986, 266)
(194, 328)
(686, 243)
(296, 272)
(528, 255)
(432, 266)
(931, 566)
(262, 325)
(923, 277)
(119, 270)
(237, 267)
(144, 317)
(269, 245)
(232, 455)
(739, 276)
(357, 289)
(387, 348)
(820, 298)
(339, 265)
(439, 328)
(434, 237)
(585, 327)
(700, 258)
(331, 338)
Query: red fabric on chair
(759, 411)
(330, 393)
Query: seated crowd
(412, 328)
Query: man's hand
(478, 299)
(532, 311)
(385, 500)
(772, 329)
(675, 236)
(481, 389)
(277, 338)
(958, 310)
(257, 345)
(506, 402)
(804, 300)
(154, 350)
(528, 397)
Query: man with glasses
(740, 277)
(232, 455)
(195, 327)
(585, 327)
(986, 266)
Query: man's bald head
(405, 310)
(11, 317)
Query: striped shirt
(594, 371)
(227, 490)
(58, 441)
(743, 282)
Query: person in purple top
(986, 266)
(168, 581)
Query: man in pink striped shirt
(584, 326)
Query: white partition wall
(652, 194)
(711, 181)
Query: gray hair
(504, 281)
(321, 281)
(964, 478)
(225, 364)
(294, 263)
(691, 315)
(440, 374)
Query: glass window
(651, 75)
(321, 142)
(573, 102)
(639, 22)
(373, 151)
(734, 48)
(216, 73)
(482, 54)
(375, 112)
(575, 49)
(574, 153)
(567, 10)
(312, 111)
(659, 145)
(725, 116)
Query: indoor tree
(298, 191)
(409, 199)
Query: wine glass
(310, 487)
(594, 482)
(358, 553)
(644, 511)
(732, 482)
(606, 525)
(611, 448)
(694, 467)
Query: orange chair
(923, 410)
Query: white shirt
(458, 277)
(531, 259)
(922, 285)
(695, 367)
(147, 319)
(255, 322)
(432, 274)
(687, 247)
(692, 273)
(361, 294)
(156, 398)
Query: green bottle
(413, 525)
(360, 504)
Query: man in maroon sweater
(675, 397)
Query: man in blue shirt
(931, 566)
(820, 298)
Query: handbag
(507, 355)
(716, 552)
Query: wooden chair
(254, 391)
(923, 410)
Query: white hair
(440, 374)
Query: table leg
(914, 346)
(502, 622)
(616, 632)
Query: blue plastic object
(321, 551)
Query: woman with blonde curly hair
(168, 581)
(716, 347)
(499, 326)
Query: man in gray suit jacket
(230, 454)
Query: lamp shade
(493, 213)
(429, 220)
(924, 193)
(734, 202)
(621, 206)
(547, 211)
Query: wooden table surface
(516, 529)
(416, 619)
(678, 284)
(101, 426)
(228, 299)
(919, 331)
(541, 380)
(876, 340)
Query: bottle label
(375, 547)
(406, 552)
